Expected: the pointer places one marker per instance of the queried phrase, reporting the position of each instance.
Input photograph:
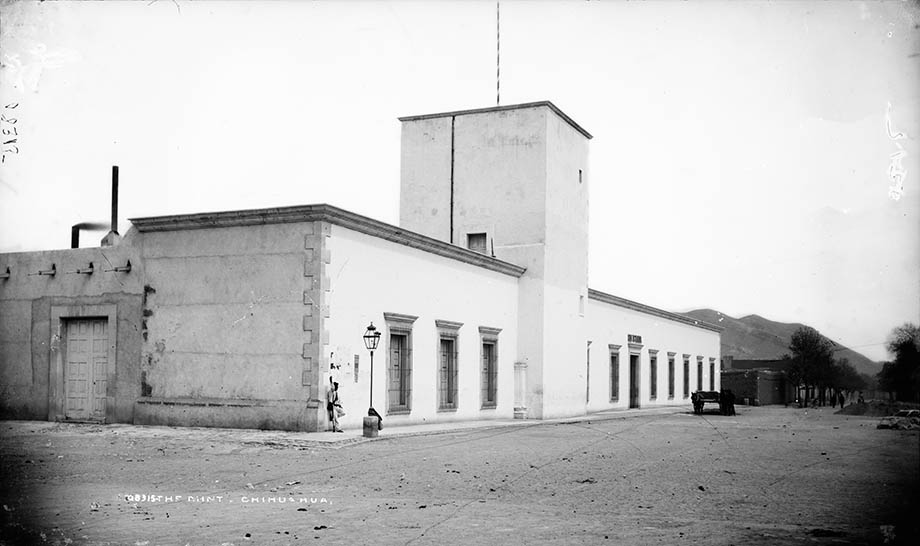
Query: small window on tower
(477, 242)
(579, 176)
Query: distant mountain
(754, 337)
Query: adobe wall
(32, 309)
(226, 336)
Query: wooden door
(86, 369)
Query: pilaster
(315, 310)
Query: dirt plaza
(769, 475)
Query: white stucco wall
(424, 197)
(609, 324)
(565, 274)
(370, 276)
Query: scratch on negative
(339, 274)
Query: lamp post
(372, 421)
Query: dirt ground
(769, 476)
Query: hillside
(754, 337)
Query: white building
(241, 318)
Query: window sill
(447, 410)
(492, 407)
(398, 412)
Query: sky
(749, 157)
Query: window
(477, 242)
(699, 373)
(447, 364)
(489, 355)
(653, 374)
(686, 376)
(579, 176)
(399, 363)
(670, 376)
(712, 374)
(447, 376)
(614, 372)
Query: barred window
(399, 363)
(447, 376)
(699, 373)
(614, 373)
(400, 372)
(653, 375)
(448, 333)
(489, 380)
(686, 376)
(670, 376)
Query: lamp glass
(371, 337)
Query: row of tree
(814, 367)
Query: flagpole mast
(497, 53)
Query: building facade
(759, 382)
(242, 318)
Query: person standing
(337, 407)
(841, 398)
(333, 405)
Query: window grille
(489, 375)
(686, 377)
(699, 373)
(614, 377)
(447, 374)
(653, 379)
(400, 373)
(670, 377)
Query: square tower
(512, 182)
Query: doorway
(634, 381)
(86, 369)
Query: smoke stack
(112, 237)
(115, 199)
(75, 231)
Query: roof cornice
(649, 310)
(324, 213)
(545, 103)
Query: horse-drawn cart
(700, 398)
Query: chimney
(115, 199)
(112, 237)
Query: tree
(901, 376)
(813, 358)
(846, 377)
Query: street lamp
(371, 339)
